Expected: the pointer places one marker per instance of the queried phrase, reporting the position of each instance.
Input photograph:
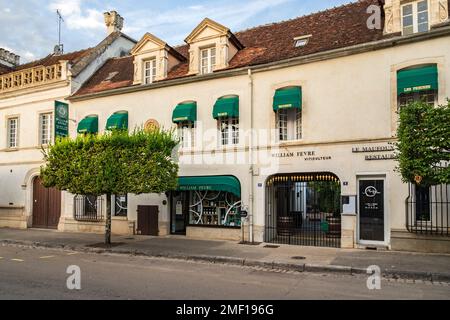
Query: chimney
(8, 59)
(113, 21)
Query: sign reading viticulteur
(61, 119)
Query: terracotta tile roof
(78, 59)
(52, 59)
(4, 69)
(119, 70)
(335, 28)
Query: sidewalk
(434, 267)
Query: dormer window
(150, 71)
(415, 17)
(208, 60)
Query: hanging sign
(61, 119)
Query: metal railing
(88, 208)
(428, 209)
(303, 209)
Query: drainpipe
(251, 200)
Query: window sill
(289, 142)
(119, 218)
(12, 149)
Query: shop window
(88, 208)
(229, 131)
(289, 124)
(120, 205)
(214, 208)
(186, 133)
(415, 17)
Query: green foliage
(113, 163)
(423, 147)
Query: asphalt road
(42, 274)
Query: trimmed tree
(423, 147)
(113, 163)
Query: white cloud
(170, 22)
(77, 18)
(7, 10)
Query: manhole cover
(298, 258)
(269, 246)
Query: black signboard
(371, 210)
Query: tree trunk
(108, 220)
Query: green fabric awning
(226, 108)
(287, 98)
(210, 183)
(117, 121)
(185, 112)
(417, 79)
(88, 125)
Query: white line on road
(72, 253)
(18, 260)
(46, 257)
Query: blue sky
(29, 27)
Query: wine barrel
(285, 226)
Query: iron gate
(303, 209)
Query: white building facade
(292, 123)
(28, 94)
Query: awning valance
(185, 112)
(417, 79)
(226, 108)
(210, 183)
(118, 121)
(88, 125)
(287, 98)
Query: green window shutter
(118, 121)
(88, 125)
(226, 108)
(212, 183)
(287, 98)
(185, 112)
(417, 79)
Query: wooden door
(46, 206)
(148, 220)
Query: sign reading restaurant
(384, 152)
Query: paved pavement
(27, 273)
(412, 265)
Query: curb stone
(313, 268)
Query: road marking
(47, 257)
(18, 260)
(1, 258)
(72, 253)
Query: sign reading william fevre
(61, 119)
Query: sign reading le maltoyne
(61, 119)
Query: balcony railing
(32, 77)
